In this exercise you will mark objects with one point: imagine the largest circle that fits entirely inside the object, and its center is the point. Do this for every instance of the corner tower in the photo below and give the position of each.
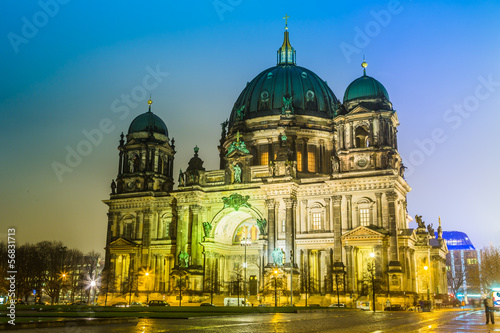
(147, 158)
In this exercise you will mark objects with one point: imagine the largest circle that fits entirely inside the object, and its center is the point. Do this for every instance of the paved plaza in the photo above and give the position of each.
(328, 321)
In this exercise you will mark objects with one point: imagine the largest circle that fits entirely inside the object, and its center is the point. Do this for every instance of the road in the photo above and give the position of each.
(331, 321)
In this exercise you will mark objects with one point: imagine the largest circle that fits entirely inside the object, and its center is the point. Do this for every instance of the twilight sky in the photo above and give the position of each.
(75, 74)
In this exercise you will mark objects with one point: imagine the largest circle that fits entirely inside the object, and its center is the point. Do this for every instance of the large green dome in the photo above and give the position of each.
(265, 94)
(148, 122)
(285, 89)
(365, 87)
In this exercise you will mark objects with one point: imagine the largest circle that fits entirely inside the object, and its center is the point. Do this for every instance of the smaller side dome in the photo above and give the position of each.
(367, 91)
(365, 87)
(148, 122)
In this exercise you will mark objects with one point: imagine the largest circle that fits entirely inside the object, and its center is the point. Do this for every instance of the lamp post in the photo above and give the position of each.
(427, 281)
(62, 250)
(372, 255)
(63, 280)
(92, 289)
(291, 277)
(245, 242)
(275, 288)
(147, 287)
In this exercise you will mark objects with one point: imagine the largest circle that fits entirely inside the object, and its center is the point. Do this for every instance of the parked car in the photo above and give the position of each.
(79, 303)
(394, 307)
(158, 303)
(137, 304)
(121, 305)
(264, 305)
(337, 305)
(314, 305)
(206, 304)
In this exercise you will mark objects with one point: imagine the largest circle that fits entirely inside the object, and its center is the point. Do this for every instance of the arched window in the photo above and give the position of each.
(362, 137)
(317, 217)
(128, 226)
(364, 209)
(166, 226)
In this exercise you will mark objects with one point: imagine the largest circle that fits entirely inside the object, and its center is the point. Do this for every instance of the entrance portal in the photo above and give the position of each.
(253, 285)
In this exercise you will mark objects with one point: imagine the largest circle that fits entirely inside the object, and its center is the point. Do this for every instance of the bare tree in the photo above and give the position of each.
(490, 267)
(211, 284)
(455, 281)
(4, 284)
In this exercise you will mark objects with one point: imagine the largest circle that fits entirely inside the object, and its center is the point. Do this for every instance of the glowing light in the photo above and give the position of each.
(426, 268)
(92, 283)
(372, 255)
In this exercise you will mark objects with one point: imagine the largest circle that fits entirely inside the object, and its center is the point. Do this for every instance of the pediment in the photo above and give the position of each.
(360, 109)
(122, 242)
(362, 233)
(237, 153)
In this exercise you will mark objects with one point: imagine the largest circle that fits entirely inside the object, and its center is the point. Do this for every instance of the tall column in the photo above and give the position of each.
(182, 231)
(337, 227)
(305, 155)
(146, 227)
(303, 216)
(195, 237)
(162, 272)
(349, 211)
(270, 150)
(120, 163)
(376, 129)
(393, 241)
(378, 202)
(328, 220)
(349, 268)
(308, 270)
(318, 270)
(290, 232)
(271, 215)
(341, 143)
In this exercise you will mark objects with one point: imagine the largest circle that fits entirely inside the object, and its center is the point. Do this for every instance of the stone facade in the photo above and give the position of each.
(327, 189)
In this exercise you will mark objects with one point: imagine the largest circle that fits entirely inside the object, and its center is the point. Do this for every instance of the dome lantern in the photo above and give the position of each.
(286, 53)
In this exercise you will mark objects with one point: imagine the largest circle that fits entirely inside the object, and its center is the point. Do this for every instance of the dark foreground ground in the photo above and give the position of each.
(310, 320)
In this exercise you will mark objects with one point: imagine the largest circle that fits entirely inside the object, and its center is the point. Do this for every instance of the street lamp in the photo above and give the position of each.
(245, 242)
(63, 280)
(372, 255)
(92, 288)
(427, 281)
(147, 285)
(275, 288)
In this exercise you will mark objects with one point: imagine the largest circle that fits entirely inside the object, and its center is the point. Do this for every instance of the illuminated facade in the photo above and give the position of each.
(300, 171)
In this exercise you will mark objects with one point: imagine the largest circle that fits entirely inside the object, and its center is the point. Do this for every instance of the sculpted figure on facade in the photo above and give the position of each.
(181, 178)
(113, 187)
(262, 224)
(277, 257)
(183, 259)
(335, 164)
(237, 173)
(420, 223)
(272, 168)
(430, 229)
(207, 227)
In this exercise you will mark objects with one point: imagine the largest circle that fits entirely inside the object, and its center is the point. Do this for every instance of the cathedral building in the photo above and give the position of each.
(309, 186)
